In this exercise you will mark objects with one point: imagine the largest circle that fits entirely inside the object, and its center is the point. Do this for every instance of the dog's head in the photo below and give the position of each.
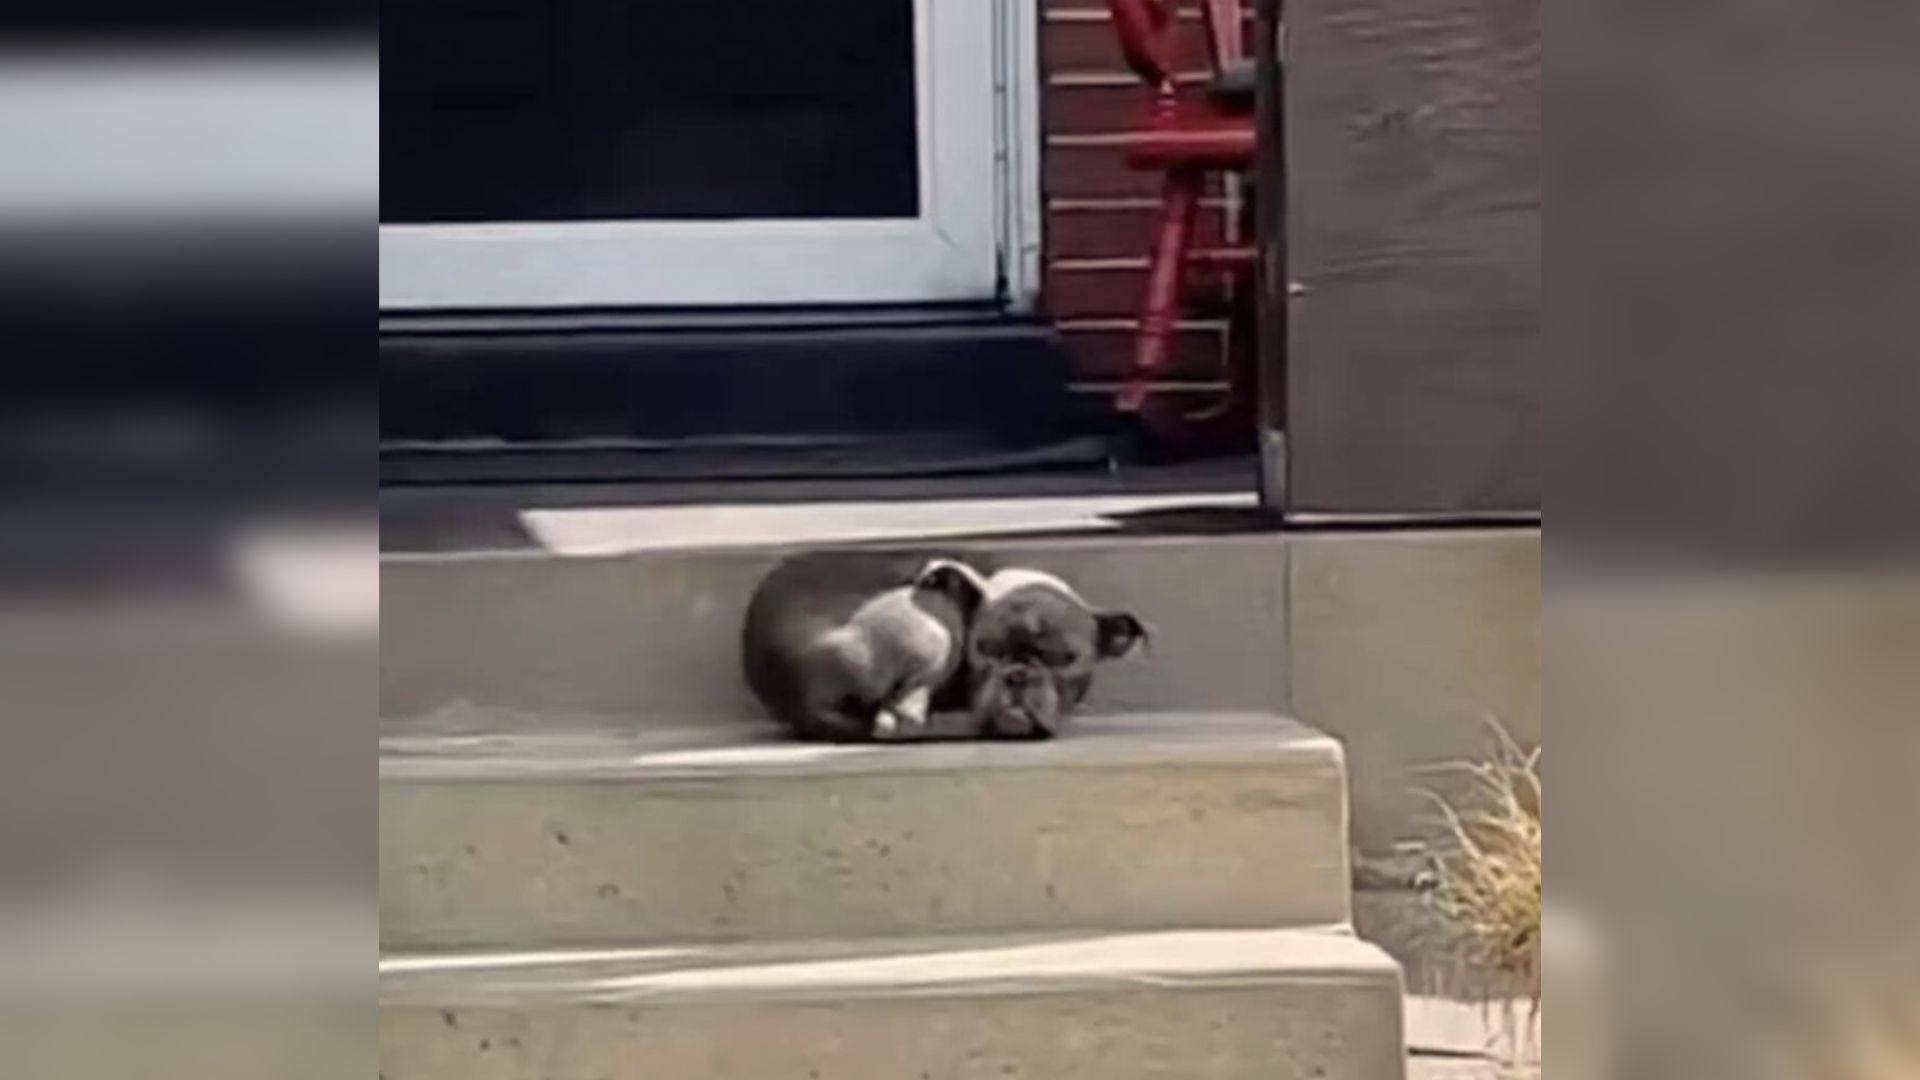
(1031, 649)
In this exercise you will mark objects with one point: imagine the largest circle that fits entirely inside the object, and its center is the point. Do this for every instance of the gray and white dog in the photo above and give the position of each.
(850, 646)
(1031, 651)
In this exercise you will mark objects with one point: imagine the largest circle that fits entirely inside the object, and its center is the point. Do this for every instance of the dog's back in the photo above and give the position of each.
(829, 634)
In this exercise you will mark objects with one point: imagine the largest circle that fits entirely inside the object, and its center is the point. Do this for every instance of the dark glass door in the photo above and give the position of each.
(559, 152)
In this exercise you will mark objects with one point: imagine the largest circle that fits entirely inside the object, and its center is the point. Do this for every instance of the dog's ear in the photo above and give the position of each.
(1120, 634)
(955, 580)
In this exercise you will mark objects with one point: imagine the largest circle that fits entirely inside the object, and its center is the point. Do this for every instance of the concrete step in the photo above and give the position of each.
(716, 834)
(1184, 1005)
(615, 640)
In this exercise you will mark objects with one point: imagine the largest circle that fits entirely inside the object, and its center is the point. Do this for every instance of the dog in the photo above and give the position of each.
(853, 646)
(1032, 646)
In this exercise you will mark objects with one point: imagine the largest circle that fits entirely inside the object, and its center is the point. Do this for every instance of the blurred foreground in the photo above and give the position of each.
(188, 587)
(189, 593)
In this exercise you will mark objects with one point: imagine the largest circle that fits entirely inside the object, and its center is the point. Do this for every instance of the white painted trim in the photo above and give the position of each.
(1130, 325)
(1077, 15)
(1022, 213)
(948, 253)
(1097, 204)
(1085, 80)
(1102, 15)
(1101, 263)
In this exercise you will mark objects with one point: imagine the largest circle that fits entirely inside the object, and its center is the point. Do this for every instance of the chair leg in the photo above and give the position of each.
(1225, 426)
(1179, 202)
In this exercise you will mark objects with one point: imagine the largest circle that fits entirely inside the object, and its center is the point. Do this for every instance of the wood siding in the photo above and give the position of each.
(1414, 151)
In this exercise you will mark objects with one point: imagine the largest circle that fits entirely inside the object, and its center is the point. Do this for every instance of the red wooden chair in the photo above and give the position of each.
(1189, 133)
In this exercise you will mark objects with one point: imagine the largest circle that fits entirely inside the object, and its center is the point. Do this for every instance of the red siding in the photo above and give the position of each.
(1099, 213)
(1113, 229)
(1103, 355)
(1079, 37)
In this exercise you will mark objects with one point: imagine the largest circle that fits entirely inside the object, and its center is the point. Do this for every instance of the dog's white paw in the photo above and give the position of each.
(913, 707)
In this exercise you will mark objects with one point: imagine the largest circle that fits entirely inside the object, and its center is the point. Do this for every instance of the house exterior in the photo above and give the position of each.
(665, 171)
(625, 240)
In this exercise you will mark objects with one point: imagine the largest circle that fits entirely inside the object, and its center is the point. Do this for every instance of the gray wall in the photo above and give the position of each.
(1402, 645)
(1413, 175)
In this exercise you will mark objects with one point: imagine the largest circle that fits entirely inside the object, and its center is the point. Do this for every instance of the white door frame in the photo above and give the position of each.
(973, 60)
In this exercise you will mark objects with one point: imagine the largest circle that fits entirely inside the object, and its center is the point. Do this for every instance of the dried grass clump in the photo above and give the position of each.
(1488, 888)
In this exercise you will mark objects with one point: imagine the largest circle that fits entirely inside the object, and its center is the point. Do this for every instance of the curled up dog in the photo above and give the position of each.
(851, 646)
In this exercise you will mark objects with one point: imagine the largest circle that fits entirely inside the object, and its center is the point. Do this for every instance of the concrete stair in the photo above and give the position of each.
(594, 869)
(653, 639)
(1220, 1005)
(1135, 822)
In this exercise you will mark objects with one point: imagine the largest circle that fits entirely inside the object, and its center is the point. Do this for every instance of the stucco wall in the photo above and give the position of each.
(1403, 644)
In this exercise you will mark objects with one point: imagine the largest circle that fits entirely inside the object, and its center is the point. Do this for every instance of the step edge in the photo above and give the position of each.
(911, 967)
(431, 758)
(1103, 536)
